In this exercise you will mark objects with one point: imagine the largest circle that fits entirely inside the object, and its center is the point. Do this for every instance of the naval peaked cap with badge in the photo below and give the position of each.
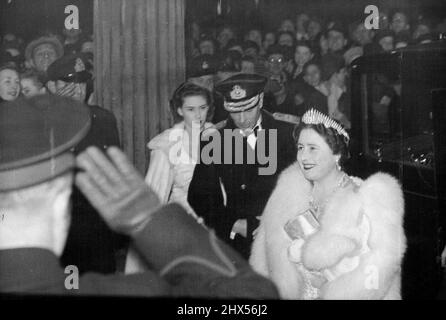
(242, 92)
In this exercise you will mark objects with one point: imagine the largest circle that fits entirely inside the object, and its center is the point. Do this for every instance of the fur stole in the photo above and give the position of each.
(378, 203)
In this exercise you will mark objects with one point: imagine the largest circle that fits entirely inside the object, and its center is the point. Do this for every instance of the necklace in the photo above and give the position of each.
(318, 207)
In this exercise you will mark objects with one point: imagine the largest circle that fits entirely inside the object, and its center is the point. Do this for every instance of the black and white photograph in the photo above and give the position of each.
(222, 158)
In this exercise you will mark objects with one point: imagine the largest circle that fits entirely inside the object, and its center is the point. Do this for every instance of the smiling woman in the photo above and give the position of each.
(9, 83)
(325, 235)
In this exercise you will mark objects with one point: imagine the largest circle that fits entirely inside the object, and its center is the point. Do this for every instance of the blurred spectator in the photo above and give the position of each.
(400, 23)
(338, 100)
(384, 41)
(254, 35)
(9, 83)
(315, 94)
(32, 83)
(202, 71)
(351, 54)
(68, 77)
(321, 44)
(360, 35)
(302, 20)
(248, 65)
(224, 35)
(252, 50)
(314, 28)
(42, 52)
(72, 42)
(287, 25)
(230, 64)
(11, 50)
(402, 40)
(425, 38)
(421, 28)
(87, 48)
(91, 245)
(285, 38)
(336, 37)
(384, 21)
(336, 43)
(277, 85)
(234, 45)
(269, 40)
(207, 45)
(302, 55)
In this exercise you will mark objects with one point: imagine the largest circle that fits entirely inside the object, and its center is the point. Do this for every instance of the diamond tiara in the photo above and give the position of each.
(314, 116)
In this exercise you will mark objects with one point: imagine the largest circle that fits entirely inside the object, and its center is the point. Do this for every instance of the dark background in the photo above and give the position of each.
(27, 18)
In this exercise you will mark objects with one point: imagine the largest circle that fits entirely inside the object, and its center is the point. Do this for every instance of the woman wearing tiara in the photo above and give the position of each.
(324, 234)
(174, 152)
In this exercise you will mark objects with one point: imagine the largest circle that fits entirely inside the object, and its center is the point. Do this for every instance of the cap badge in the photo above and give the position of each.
(205, 65)
(79, 66)
(238, 93)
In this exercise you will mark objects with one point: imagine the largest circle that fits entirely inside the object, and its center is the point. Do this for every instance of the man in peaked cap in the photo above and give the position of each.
(36, 175)
(230, 196)
(91, 245)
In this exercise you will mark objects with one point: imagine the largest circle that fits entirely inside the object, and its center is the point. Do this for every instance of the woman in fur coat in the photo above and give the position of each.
(325, 235)
(174, 151)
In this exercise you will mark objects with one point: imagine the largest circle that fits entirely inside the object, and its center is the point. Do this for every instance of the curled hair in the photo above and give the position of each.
(337, 142)
(188, 89)
(37, 77)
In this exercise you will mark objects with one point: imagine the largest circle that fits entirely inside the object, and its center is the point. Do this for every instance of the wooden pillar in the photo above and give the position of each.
(139, 61)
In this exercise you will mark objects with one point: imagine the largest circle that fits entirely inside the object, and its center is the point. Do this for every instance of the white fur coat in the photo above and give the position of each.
(377, 275)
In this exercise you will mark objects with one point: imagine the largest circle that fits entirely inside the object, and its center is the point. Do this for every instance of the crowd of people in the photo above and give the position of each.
(308, 227)
(305, 58)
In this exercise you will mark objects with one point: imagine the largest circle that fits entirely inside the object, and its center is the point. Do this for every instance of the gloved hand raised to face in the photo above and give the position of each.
(116, 189)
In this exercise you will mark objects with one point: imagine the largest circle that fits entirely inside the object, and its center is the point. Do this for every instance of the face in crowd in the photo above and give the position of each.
(255, 36)
(194, 111)
(336, 40)
(302, 21)
(285, 39)
(207, 47)
(43, 56)
(362, 35)
(9, 84)
(312, 75)
(420, 30)
(77, 91)
(287, 25)
(270, 39)
(31, 88)
(313, 29)
(276, 63)
(248, 66)
(224, 36)
(315, 156)
(302, 55)
(399, 22)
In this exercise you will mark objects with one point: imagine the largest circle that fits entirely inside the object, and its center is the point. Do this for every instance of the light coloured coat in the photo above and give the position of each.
(378, 201)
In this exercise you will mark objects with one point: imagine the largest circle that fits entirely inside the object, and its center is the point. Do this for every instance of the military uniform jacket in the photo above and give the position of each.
(91, 245)
(185, 259)
(223, 193)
